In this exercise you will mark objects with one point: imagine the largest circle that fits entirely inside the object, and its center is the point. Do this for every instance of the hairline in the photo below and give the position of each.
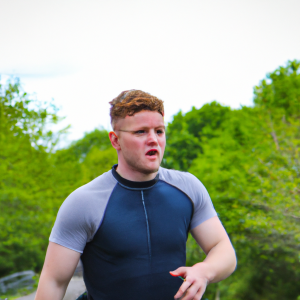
(116, 119)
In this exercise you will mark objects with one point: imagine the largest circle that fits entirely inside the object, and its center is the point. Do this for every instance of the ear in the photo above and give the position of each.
(114, 139)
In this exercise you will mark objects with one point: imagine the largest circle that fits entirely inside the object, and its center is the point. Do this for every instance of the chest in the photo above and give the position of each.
(145, 222)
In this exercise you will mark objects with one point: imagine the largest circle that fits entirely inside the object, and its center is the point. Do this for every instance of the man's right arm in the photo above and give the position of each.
(60, 264)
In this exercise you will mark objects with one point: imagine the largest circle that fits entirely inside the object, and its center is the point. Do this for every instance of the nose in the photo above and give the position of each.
(152, 137)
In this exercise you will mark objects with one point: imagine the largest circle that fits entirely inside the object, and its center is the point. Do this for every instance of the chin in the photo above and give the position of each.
(147, 170)
(150, 170)
(154, 167)
(144, 168)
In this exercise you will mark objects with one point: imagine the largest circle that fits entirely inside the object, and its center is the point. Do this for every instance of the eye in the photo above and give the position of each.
(160, 131)
(140, 132)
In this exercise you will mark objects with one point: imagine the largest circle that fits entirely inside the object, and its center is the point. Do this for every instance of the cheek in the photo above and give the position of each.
(162, 144)
(134, 146)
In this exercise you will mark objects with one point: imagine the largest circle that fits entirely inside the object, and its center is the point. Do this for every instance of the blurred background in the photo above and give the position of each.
(229, 75)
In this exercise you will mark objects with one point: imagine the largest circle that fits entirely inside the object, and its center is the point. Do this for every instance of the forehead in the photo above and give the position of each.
(144, 118)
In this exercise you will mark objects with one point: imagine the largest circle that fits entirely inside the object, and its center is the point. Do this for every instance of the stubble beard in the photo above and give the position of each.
(139, 168)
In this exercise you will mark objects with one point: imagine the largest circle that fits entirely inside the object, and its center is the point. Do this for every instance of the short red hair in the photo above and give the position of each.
(131, 102)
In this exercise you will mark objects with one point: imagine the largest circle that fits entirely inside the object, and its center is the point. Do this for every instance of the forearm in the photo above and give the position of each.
(50, 289)
(219, 263)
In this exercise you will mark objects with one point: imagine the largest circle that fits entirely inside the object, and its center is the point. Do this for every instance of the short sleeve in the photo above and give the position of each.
(203, 206)
(72, 228)
(81, 214)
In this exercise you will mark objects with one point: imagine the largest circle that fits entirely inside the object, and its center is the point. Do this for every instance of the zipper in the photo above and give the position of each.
(147, 222)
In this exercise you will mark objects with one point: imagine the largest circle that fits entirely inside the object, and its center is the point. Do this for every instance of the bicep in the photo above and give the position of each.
(60, 263)
(209, 233)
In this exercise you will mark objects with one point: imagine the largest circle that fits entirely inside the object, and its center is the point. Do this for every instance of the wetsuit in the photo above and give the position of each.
(131, 234)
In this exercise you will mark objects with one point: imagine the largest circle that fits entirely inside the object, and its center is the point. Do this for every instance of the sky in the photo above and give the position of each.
(83, 53)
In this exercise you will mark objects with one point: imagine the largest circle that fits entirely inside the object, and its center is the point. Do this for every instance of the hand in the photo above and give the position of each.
(195, 282)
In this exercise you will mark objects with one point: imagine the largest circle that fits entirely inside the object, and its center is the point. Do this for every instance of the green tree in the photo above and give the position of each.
(97, 138)
(25, 184)
(97, 162)
(34, 178)
(186, 133)
(281, 90)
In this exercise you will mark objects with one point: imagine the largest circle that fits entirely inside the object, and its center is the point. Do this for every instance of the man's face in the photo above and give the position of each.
(142, 141)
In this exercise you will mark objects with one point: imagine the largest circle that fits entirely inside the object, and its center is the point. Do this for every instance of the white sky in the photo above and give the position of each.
(83, 53)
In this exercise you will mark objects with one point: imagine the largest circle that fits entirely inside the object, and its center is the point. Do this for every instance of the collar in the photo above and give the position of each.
(133, 184)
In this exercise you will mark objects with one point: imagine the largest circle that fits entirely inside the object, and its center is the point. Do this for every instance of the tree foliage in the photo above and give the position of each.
(35, 179)
(26, 175)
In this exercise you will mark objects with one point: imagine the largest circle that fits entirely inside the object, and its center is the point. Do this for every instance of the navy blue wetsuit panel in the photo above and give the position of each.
(142, 237)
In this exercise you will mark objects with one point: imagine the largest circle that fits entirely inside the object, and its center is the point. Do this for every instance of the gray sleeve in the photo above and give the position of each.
(72, 228)
(81, 214)
(192, 187)
(203, 207)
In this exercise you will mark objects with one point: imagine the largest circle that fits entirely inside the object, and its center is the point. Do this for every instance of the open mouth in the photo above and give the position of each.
(152, 152)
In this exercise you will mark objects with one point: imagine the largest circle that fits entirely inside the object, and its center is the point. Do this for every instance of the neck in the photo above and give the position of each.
(134, 175)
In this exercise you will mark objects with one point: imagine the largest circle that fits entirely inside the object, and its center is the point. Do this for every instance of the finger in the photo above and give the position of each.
(180, 271)
(200, 293)
(186, 284)
(191, 292)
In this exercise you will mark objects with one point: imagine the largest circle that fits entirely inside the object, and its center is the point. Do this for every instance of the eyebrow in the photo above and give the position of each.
(143, 128)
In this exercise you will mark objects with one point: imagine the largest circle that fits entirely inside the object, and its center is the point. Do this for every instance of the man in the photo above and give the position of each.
(129, 226)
